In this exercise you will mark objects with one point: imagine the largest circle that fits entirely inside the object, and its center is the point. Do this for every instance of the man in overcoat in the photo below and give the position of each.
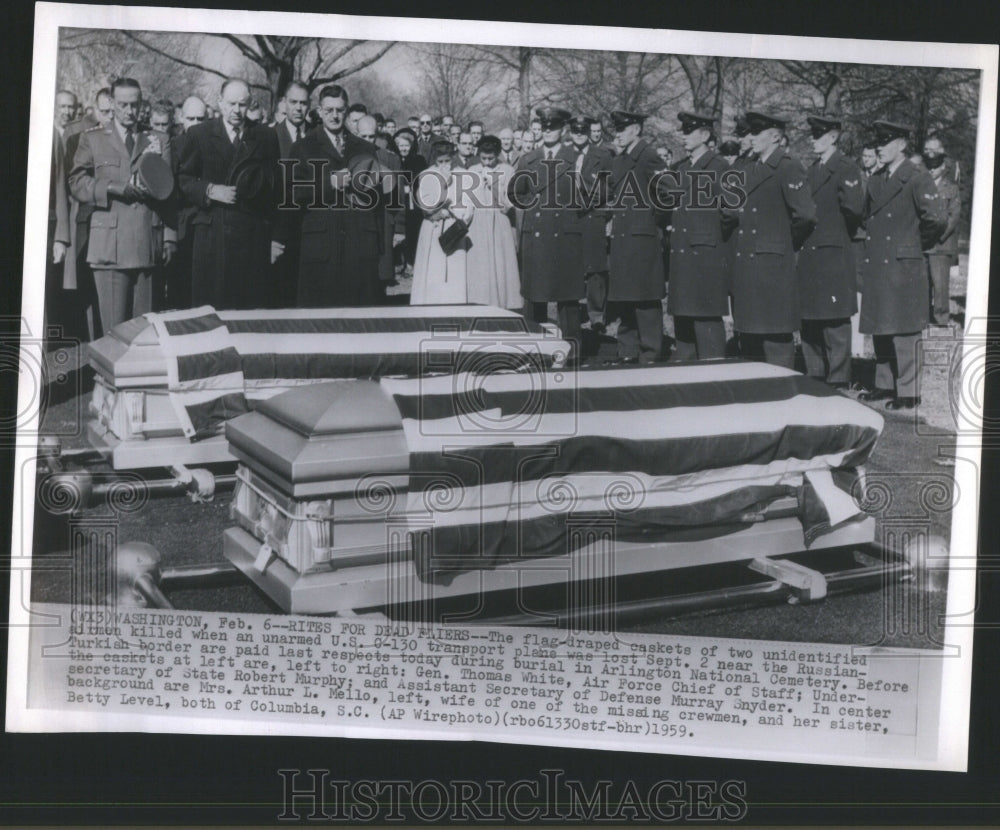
(228, 169)
(592, 169)
(551, 259)
(333, 206)
(827, 268)
(699, 285)
(636, 282)
(941, 257)
(127, 240)
(778, 214)
(905, 215)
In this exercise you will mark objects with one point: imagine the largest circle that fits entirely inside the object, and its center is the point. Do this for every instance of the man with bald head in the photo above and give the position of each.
(227, 173)
(193, 111)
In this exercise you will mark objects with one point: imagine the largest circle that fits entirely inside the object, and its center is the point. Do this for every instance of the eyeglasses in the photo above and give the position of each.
(426, 122)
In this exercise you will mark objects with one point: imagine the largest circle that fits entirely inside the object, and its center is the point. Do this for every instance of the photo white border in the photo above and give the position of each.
(49, 17)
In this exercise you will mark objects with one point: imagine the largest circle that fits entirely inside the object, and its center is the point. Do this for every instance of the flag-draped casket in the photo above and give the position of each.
(485, 470)
(167, 381)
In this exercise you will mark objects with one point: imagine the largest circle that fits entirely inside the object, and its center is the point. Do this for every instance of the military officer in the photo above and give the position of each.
(592, 168)
(777, 216)
(699, 285)
(826, 267)
(905, 215)
(636, 282)
(127, 239)
(941, 257)
(551, 264)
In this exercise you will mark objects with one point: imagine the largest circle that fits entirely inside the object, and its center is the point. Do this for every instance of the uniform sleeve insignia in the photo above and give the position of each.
(795, 185)
(851, 182)
(930, 195)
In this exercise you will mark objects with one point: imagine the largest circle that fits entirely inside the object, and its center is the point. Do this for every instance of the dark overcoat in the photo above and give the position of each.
(340, 236)
(592, 186)
(778, 215)
(699, 283)
(905, 214)
(827, 269)
(551, 256)
(231, 245)
(636, 261)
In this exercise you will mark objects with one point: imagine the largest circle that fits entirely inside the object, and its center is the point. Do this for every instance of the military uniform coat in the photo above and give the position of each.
(951, 201)
(699, 283)
(827, 270)
(905, 215)
(231, 246)
(778, 215)
(122, 236)
(636, 262)
(551, 262)
(339, 245)
(594, 170)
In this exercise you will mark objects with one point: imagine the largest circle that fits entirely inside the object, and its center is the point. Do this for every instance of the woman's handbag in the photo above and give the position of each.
(454, 237)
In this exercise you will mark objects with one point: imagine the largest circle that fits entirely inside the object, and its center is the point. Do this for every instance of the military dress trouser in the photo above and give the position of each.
(939, 275)
(640, 335)
(826, 347)
(597, 296)
(122, 295)
(896, 363)
(699, 338)
(778, 348)
(568, 320)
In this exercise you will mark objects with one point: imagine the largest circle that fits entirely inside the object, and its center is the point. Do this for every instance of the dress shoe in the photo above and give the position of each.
(898, 403)
(858, 386)
(876, 395)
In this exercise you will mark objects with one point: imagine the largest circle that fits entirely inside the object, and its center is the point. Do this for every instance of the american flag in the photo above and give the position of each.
(218, 362)
(500, 463)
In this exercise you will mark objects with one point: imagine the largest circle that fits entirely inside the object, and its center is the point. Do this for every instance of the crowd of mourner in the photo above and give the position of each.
(327, 203)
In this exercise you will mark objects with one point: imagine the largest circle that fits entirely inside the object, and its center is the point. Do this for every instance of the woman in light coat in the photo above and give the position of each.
(439, 279)
(493, 276)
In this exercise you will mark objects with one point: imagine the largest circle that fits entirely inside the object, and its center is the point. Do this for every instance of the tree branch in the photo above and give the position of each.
(174, 58)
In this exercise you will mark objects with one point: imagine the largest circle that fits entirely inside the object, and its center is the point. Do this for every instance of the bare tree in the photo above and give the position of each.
(598, 82)
(275, 60)
(454, 81)
(91, 59)
(520, 63)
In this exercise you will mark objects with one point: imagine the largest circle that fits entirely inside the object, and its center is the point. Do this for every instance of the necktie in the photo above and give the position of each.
(236, 138)
(338, 143)
(300, 131)
(129, 141)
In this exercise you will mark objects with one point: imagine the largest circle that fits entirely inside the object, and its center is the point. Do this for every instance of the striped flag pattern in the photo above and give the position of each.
(499, 463)
(219, 362)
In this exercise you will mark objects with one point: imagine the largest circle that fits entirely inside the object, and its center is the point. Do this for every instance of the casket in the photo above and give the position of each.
(361, 495)
(165, 383)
